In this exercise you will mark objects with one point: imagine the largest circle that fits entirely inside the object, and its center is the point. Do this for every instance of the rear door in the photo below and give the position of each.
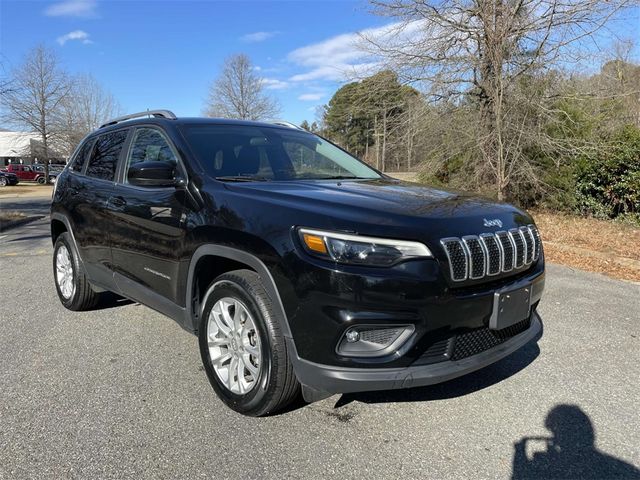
(148, 232)
(92, 192)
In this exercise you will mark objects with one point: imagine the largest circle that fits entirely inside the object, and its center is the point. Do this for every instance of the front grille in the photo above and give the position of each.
(474, 257)
(482, 339)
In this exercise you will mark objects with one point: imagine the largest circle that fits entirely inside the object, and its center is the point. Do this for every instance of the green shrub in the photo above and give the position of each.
(608, 185)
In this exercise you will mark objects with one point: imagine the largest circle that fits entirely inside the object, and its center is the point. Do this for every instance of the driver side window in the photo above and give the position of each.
(149, 145)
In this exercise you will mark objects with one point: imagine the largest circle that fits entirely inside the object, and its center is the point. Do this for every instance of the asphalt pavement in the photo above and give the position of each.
(119, 392)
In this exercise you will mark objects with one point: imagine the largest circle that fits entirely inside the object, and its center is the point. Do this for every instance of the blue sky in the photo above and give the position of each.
(164, 54)
(153, 54)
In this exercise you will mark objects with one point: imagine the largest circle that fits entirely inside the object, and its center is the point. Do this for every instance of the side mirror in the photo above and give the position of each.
(153, 174)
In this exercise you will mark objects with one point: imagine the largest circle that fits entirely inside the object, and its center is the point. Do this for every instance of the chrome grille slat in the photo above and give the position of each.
(507, 247)
(494, 255)
(537, 241)
(528, 242)
(456, 254)
(477, 256)
(519, 247)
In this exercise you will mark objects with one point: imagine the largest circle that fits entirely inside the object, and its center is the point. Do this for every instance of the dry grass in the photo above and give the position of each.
(25, 189)
(589, 244)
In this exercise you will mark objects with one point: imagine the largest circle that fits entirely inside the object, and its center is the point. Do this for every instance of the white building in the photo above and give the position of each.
(22, 147)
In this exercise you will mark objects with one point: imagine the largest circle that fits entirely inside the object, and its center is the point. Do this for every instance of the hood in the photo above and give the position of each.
(384, 195)
(384, 204)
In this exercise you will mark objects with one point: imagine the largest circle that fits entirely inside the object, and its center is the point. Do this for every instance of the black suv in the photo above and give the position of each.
(296, 264)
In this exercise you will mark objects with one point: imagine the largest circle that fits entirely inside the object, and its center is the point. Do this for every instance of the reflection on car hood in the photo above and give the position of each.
(384, 196)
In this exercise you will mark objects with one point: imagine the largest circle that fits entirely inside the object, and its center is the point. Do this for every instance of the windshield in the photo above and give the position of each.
(262, 153)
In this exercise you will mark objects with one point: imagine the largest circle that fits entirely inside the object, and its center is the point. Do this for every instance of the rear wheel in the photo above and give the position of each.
(3, 182)
(242, 347)
(72, 285)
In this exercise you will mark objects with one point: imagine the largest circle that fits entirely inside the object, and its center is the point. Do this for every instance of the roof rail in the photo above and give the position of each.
(284, 123)
(149, 113)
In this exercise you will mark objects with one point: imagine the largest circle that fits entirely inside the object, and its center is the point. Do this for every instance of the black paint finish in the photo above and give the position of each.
(140, 242)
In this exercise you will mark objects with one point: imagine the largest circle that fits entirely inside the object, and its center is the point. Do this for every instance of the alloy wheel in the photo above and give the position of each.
(234, 345)
(64, 272)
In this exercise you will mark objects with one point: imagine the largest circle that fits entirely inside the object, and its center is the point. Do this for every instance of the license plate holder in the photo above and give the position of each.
(510, 307)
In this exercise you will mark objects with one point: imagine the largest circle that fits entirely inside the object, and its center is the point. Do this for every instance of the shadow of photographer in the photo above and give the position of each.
(570, 451)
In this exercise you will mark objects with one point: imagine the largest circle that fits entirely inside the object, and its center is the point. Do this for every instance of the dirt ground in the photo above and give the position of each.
(588, 244)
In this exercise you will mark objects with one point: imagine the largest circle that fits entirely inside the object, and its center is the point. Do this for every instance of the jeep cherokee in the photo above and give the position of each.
(298, 266)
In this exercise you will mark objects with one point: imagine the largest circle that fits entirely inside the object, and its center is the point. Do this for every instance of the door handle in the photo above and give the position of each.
(117, 201)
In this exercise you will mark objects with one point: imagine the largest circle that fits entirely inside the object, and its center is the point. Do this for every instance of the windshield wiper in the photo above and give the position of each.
(242, 178)
(338, 177)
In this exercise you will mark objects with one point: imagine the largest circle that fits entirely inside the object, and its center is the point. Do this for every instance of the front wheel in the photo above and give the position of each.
(3, 182)
(242, 347)
(41, 180)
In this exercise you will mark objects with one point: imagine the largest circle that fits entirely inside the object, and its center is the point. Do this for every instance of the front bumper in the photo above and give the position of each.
(331, 379)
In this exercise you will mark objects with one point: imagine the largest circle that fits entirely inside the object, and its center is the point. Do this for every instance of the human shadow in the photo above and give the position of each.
(570, 451)
(458, 387)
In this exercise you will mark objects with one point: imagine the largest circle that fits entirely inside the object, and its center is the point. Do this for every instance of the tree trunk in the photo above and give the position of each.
(384, 138)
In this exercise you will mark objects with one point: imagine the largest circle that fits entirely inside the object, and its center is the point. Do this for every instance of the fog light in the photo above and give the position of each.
(352, 336)
(373, 341)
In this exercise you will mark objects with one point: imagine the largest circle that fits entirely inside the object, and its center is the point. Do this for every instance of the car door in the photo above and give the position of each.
(92, 224)
(148, 233)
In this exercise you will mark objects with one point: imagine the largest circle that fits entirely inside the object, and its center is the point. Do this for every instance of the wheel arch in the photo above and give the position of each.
(59, 224)
(227, 259)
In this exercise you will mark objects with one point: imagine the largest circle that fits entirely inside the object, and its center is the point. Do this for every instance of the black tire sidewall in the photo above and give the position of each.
(253, 400)
(3, 182)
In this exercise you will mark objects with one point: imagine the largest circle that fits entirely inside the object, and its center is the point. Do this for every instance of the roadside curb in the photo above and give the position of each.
(17, 223)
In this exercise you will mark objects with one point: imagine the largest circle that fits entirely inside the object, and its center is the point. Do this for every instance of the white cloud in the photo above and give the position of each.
(345, 56)
(310, 97)
(72, 8)
(274, 84)
(258, 36)
(79, 35)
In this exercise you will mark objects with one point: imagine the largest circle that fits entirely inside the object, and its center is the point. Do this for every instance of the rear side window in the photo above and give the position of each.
(104, 158)
(81, 157)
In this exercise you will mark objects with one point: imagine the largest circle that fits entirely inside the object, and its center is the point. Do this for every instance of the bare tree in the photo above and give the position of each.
(239, 93)
(39, 86)
(87, 106)
(480, 51)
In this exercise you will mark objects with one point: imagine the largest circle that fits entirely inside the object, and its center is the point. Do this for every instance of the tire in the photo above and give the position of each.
(275, 385)
(40, 180)
(78, 294)
(3, 182)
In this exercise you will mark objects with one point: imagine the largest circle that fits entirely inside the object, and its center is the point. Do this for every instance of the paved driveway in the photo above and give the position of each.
(119, 392)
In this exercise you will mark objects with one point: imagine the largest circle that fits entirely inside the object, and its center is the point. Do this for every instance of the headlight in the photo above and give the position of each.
(360, 250)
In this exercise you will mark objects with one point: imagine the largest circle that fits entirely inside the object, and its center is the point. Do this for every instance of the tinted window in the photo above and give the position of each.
(149, 145)
(271, 153)
(82, 156)
(105, 155)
